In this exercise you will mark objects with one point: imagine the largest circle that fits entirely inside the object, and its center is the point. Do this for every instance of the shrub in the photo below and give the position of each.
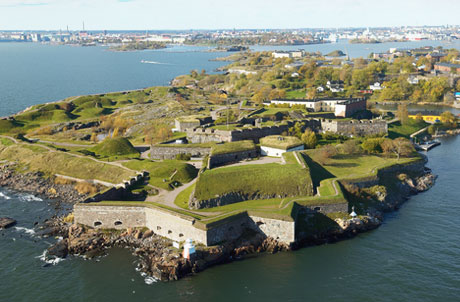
(351, 147)
(62, 181)
(45, 130)
(309, 139)
(85, 188)
(69, 218)
(372, 145)
(183, 156)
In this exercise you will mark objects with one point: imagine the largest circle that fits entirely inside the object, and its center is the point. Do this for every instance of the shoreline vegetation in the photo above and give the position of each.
(136, 46)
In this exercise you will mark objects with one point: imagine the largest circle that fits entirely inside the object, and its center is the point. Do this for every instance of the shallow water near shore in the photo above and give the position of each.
(413, 256)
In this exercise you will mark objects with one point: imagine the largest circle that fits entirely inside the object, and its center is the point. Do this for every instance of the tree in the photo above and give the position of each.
(309, 139)
(448, 119)
(115, 133)
(372, 145)
(325, 154)
(403, 114)
(194, 73)
(93, 137)
(400, 147)
(351, 147)
(311, 93)
(297, 129)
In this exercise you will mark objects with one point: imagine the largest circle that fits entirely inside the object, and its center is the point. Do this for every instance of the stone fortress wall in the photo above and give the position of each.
(206, 135)
(216, 160)
(179, 227)
(355, 127)
(170, 152)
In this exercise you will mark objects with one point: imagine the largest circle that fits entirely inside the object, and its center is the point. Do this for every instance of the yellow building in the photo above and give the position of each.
(427, 117)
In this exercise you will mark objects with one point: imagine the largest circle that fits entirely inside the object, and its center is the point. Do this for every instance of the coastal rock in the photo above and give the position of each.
(6, 222)
(59, 249)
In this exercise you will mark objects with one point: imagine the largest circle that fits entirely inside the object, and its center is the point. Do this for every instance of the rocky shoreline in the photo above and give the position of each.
(157, 256)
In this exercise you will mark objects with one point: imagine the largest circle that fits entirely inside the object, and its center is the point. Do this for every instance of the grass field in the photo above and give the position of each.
(256, 180)
(296, 94)
(231, 147)
(36, 158)
(352, 166)
(115, 147)
(163, 173)
(396, 130)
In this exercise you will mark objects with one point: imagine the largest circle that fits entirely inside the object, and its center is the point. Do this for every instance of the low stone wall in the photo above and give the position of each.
(283, 231)
(222, 159)
(110, 217)
(228, 230)
(171, 152)
(326, 208)
(173, 226)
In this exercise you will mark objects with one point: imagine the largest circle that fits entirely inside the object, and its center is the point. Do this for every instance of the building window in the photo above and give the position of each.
(158, 228)
(181, 235)
(118, 222)
(169, 232)
(97, 223)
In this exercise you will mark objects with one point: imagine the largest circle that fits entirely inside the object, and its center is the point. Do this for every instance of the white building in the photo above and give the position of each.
(375, 86)
(276, 145)
(281, 54)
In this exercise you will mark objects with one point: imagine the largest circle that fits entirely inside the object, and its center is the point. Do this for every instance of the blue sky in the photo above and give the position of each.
(212, 14)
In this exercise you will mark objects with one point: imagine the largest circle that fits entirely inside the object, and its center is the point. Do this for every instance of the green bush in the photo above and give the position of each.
(183, 156)
(114, 147)
(373, 145)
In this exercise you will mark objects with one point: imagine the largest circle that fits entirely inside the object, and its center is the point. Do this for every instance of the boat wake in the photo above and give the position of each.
(154, 62)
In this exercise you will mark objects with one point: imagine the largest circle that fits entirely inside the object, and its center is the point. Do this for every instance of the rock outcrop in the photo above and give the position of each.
(6, 222)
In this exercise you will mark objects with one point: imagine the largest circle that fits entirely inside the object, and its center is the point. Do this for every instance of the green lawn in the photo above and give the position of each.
(161, 172)
(36, 158)
(396, 130)
(115, 147)
(231, 147)
(296, 94)
(256, 180)
(354, 166)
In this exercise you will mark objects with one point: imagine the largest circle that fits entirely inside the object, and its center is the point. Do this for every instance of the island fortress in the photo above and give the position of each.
(180, 225)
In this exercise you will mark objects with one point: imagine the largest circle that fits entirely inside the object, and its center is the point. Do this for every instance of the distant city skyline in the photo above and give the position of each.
(208, 14)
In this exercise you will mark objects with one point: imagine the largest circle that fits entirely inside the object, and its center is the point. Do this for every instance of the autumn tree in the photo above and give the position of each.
(448, 119)
(400, 147)
(325, 154)
(93, 137)
(115, 133)
(351, 147)
(309, 139)
(402, 114)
